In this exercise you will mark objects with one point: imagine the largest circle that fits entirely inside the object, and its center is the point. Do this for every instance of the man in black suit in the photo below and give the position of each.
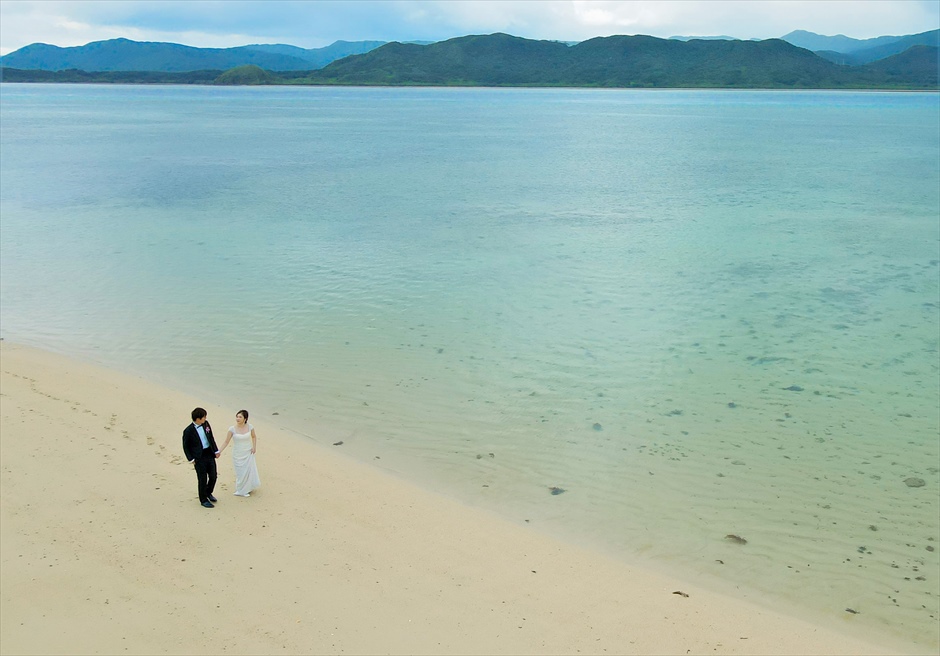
(200, 449)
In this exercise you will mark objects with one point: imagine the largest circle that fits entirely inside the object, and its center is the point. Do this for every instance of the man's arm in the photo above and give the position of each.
(189, 457)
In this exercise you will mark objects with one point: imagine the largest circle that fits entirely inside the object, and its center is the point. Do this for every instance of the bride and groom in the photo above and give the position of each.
(201, 450)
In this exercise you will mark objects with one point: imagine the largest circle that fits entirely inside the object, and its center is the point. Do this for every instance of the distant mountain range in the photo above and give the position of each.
(127, 55)
(505, 60)
(854, 52)
(845, 44)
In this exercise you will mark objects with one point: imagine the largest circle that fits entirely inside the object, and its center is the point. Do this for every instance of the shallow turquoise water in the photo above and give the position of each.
(700, 313)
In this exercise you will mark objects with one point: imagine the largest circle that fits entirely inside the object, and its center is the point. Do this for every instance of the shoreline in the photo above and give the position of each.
(102, 531)
(933, 90)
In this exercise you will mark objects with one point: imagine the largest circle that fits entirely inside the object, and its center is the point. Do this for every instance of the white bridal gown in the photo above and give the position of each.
(246, 470)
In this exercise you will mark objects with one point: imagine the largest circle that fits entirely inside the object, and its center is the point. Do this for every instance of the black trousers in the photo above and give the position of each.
(205, 473)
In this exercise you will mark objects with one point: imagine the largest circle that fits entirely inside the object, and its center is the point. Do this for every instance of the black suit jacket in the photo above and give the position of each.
(192, 445)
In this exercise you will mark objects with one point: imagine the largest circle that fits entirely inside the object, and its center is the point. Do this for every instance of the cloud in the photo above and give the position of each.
(214, 23)
(77, 23)
(582, 19)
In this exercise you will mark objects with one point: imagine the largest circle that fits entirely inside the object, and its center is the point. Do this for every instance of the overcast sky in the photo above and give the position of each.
(311, 24)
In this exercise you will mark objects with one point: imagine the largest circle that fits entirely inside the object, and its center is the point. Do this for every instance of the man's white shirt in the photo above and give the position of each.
(202, 435)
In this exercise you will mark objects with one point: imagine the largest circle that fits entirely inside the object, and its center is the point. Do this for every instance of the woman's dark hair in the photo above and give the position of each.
(243, 413)
(199, 413)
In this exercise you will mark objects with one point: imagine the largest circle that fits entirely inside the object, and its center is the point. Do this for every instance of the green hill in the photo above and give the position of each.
(916, 67)
(651, 62)
(618, 61)
(497, 59)
(246, 75)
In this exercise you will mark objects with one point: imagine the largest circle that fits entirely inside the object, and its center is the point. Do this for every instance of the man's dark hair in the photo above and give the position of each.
(199, 413)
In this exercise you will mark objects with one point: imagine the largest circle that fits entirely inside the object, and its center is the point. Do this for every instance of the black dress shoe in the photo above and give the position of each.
(212, 499)
(206, 504)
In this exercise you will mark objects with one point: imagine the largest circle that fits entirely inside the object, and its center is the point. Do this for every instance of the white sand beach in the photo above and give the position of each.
(104, 549)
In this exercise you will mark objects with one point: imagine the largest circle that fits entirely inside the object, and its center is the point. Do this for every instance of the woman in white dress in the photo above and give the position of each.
(243, 454)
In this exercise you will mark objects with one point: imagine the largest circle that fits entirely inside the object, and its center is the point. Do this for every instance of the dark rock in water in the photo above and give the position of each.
(557, 490)
(598, 427)
(930, 548)
(793, 388)
(737, 539)
(732, 404)
(275, 413)
(338, 443)
(872, 527)
(674, 413)
(914, 482)
(851, 610)
(767, 360)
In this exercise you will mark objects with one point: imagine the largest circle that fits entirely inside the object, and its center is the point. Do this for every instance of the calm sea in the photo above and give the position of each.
(693, 314)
